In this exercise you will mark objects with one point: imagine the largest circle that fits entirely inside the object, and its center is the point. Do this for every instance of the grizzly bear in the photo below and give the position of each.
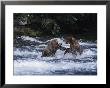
(74, 45)
(51, 48)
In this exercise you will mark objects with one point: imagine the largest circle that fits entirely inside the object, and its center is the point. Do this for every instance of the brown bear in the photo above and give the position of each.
(51, 48)
(74, 45)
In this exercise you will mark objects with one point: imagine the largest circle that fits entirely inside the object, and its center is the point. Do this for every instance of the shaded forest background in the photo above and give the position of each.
(56, 24)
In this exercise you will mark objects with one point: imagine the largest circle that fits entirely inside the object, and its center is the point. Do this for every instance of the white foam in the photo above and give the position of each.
(24, 53)
(47, 65)
(31, 39)
(87, 44)
(40, 67)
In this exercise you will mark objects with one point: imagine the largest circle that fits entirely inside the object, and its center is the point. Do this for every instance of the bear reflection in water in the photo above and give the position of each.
(53, 46)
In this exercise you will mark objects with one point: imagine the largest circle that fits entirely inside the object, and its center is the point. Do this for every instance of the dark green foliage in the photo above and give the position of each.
(55, 24)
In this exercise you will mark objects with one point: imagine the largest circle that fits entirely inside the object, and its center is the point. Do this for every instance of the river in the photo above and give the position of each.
(28, 60)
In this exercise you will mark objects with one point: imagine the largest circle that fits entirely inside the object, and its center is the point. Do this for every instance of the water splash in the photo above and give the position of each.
(28, 60)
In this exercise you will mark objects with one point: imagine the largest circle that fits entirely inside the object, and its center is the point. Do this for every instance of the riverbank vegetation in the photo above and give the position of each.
(81, 25)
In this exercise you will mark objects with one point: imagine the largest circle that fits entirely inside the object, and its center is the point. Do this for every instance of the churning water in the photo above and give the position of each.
(28, 60)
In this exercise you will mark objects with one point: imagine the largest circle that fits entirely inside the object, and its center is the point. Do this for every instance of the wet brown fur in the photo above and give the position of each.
(74, 45)
(51, 48)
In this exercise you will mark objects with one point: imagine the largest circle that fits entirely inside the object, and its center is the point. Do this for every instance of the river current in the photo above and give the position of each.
(28, 60)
